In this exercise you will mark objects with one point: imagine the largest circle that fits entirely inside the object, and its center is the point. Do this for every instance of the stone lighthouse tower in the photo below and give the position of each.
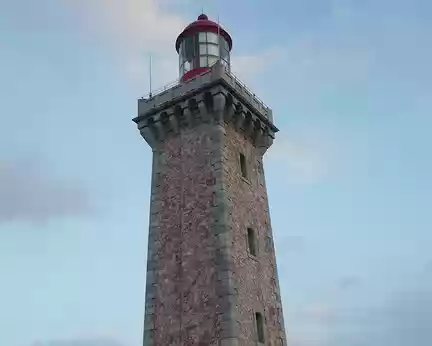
(211, 268)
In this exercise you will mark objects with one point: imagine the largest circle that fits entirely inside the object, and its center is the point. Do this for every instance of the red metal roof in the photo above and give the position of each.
(203, 24)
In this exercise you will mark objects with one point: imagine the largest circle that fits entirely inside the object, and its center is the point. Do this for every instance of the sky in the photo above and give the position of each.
(348, 176)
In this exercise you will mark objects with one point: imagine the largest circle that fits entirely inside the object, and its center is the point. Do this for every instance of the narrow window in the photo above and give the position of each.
(251, 241)
(243, 166)
(260, 327)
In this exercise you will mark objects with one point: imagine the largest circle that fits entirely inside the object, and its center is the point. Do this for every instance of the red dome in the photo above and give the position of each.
(203, 24)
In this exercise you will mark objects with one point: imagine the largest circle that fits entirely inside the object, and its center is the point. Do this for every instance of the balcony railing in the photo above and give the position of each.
(236, 80)
(243, 85)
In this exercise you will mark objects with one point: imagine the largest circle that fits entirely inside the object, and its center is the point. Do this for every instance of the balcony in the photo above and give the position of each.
(218, 72)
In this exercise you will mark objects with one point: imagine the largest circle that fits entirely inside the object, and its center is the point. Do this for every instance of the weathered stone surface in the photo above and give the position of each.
(203, 287)
(248, 207)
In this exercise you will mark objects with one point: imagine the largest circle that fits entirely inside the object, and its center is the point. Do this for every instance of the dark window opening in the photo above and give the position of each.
(259, 326)
(243, 166)
(251, 242)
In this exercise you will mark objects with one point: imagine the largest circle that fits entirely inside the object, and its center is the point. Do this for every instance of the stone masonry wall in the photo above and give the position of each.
(203, 288)
(256, 277)
(186, 284)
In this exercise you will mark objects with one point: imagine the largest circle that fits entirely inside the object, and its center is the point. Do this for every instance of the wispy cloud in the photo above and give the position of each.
(252, 64)
(304, 159)
(403, 319)
(348, 282)
(137, 28)
(31, 193)
(135, 25)
(134, 29)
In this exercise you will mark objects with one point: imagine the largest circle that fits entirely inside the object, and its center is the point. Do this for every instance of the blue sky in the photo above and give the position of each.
(350, 84)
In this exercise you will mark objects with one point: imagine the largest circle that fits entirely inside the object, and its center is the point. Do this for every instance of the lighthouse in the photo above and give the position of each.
(211, 268)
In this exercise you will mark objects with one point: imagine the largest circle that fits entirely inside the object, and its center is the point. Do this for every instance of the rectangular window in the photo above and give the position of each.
(213, 49)
(224, 54)
(212, 38)
(259, 327)
(243, 166)
(252, 244)
(212, 60)
(203, 49)
(223, 43)
(203, 61)
(202, 37)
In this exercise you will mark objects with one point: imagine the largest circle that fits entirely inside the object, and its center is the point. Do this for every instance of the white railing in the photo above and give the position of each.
(243, 85)
(161, 90)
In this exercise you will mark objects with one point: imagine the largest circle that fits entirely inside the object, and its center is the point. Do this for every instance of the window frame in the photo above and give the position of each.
(252, 243)
(243, 166)
(259, 325)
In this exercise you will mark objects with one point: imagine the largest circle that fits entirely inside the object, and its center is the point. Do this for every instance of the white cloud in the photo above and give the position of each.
(135, 25)
(134, 29)
(30, 193)
(247, 65)
(304, 159)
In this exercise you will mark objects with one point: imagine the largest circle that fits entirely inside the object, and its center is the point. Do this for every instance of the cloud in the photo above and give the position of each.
(319, 312)
(248, 65)
(135, 25)
(348, 282)
(304, 159)
(410, 318)
(402, 319)
(135, 28)
(132, 30)
(30, 193)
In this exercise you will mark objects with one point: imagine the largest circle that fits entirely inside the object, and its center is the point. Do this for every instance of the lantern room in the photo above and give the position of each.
(200, 45)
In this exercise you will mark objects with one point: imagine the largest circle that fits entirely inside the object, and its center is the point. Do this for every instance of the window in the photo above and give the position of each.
(202, 37)
(213, 49)
(212, 60)
(203, 61)
(189, 48)
(203, 49)
(243, 166)
(259, 327)
(251, 240)
(223, 43)
(212, 37)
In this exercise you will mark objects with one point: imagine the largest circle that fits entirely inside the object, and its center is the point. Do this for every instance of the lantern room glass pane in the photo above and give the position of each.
(203, 49)
(212, 37)
(202, 37)
(223, 43)
(203, 61)
(212, 60)
(213, 49)
(225, 54)
(189, 48)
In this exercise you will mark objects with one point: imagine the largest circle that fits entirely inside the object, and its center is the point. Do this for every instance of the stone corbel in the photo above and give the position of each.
(249, 124)
(219, 104)
(239, 117)
(229, 109)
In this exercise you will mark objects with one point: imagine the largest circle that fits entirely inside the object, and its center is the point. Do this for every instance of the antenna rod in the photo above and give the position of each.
(219, 41)
(150, 76)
